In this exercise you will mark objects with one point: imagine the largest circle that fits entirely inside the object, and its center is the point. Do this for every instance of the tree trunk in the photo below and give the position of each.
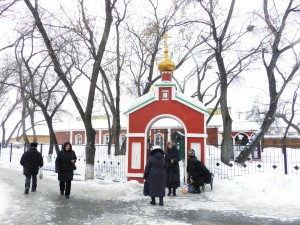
(90, 150)
(25, 138)
(227, 143)
(268, 120)
(117, 130)
(3, 137)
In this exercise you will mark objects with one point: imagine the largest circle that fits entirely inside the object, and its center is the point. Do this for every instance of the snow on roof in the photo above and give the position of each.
(166, 122)
(243, 125)
(40, 130)
(216, 121)
(72, 124)
(192, 103)
(237, 125)
(182, 98)
(140, 102)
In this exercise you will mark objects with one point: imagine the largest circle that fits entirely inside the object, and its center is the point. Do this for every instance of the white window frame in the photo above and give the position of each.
(165, 95)
(78, 139)
(122, 138)
(159, 135)
(106, 138)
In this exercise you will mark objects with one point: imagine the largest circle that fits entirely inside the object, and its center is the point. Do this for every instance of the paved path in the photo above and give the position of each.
(85, 207)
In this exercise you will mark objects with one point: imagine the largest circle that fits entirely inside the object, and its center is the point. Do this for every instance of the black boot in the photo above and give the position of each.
(26, 189)
(33, 188)
(174, 191)
(169, 193)
(153, 201)
(161, 201)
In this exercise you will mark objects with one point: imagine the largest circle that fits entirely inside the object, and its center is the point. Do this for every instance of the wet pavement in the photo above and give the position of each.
(47, 206)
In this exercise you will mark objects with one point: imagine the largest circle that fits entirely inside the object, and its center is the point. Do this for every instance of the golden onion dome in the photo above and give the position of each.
(167, 64)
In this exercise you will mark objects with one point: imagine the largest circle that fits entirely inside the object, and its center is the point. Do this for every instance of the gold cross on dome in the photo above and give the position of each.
(165, 37)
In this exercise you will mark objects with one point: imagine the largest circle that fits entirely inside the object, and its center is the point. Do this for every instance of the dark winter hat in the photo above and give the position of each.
(156, 148)
(33, 144)
(191, 152)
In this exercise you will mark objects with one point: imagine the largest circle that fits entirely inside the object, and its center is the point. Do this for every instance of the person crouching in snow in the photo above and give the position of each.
(154, 175)
(31, 160)
(191, 162)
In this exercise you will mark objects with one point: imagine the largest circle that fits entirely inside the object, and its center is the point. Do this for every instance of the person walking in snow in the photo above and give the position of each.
(154, 175)
(31, 161)
(172, 172)
(65, 166)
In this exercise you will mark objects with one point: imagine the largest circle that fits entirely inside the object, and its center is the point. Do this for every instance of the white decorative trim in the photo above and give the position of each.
(134, 174)
(196, 135)
(135, 135)
(136, 153)
(173, 93)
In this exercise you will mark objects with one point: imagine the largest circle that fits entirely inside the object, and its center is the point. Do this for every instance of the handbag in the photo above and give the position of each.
(146, 189)
(74, 166)
(41, 173)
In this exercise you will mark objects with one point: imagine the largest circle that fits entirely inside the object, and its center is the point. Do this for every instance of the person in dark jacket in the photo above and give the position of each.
(31, 161)
(198, 174)
(172, 172)
(192, 159)
(64, 166)
(154, 175)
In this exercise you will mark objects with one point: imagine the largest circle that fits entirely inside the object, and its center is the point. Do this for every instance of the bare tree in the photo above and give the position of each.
(97, 53)
(225, 38)
(278, 46)
(144, 44)
(43, 88)
(12, 108)
(289, 122)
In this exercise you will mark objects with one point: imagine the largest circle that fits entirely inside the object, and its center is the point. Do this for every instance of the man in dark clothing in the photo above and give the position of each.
(31, 161)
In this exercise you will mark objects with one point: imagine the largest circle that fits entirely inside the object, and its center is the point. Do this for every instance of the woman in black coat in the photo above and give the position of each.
(172, 172)
(154, 175)
(64, 166)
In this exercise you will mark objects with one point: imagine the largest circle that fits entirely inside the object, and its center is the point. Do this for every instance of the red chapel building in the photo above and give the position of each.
(163, 102)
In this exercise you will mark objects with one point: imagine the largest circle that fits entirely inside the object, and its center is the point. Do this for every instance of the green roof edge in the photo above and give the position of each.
(161, 84)
(204, 110)
(143, 103)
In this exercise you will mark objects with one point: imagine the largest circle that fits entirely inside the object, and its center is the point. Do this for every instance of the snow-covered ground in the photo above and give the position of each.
(268, 195)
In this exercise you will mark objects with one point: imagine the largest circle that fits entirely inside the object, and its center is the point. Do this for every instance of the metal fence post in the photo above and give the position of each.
(41, 149)
(284, 159)
(10, 156)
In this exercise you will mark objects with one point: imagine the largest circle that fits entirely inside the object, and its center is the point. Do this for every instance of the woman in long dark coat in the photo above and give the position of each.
(64, 166)
(172, 172)
(154, 175)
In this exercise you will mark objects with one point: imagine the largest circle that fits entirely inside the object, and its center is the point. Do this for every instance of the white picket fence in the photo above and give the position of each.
(113, 167)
